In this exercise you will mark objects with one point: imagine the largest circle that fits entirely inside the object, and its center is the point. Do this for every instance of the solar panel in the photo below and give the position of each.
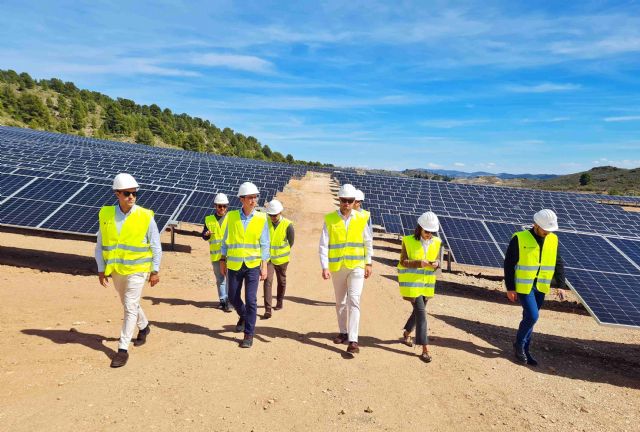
(10, 183)
(610, 298)
(392, 223)
(631, 248)
(25, 212)
(591, 252)
(473, 252)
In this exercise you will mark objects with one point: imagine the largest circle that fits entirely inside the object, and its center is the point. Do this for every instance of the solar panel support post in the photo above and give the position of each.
(172, 226)
(449, 260)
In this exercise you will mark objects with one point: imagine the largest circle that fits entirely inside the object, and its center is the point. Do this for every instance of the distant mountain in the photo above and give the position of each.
(462, 174)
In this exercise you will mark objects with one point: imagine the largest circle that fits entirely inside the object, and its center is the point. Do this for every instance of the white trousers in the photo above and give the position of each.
(348, 284)
(129, 289)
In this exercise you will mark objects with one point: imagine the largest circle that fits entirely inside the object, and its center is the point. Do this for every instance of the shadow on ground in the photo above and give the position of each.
(93, 341)
(589, 360)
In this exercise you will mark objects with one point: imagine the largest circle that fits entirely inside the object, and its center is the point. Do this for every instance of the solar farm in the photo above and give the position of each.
(56, 182)
(599, 243)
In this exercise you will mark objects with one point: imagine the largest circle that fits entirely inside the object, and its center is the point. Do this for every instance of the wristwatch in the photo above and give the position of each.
(154, 272)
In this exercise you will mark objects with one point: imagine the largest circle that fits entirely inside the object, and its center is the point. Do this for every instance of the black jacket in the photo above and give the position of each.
(513, 256)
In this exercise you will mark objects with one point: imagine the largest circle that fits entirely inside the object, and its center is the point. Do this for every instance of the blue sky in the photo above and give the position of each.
(547, 87)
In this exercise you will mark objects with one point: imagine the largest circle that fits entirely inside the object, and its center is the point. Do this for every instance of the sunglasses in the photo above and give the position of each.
(222, 205)
(347, 200)
(127, 193)
(251, 197)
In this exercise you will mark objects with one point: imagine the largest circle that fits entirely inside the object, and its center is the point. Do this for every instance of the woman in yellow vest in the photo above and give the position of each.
(282, 237)
(128, 250)
(213, 231)
(419, 260)
(531, 262)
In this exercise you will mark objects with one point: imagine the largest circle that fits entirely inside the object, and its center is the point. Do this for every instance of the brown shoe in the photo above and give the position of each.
(266, 315)
(341, 338)
(353, 348)
(120, 359)
(278, 305)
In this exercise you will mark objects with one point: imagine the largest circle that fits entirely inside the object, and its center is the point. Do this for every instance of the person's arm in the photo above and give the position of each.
(510, 261)
(153, 237)
(367, 235)
(98, 253)
(265, 243)
(559, 274)
(290, 235)
(206, 234)
(323, 248)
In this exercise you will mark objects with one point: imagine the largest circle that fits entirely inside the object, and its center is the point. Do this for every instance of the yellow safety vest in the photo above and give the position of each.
(416, 282)
(366, 214)
(243, 246)
(128, 252)
(217, 233)
(280, 248)
(531, 266)
(346, 247)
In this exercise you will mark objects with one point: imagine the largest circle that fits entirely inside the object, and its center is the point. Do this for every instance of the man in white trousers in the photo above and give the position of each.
(346, 248)
(128, 250)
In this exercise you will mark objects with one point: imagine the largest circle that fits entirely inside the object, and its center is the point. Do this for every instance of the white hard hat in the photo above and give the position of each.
(347, 191)
(124, 181)
(429, 222)
(359, 195)
(247, 188)
(221, 199)
(274, 207)
(546, 219)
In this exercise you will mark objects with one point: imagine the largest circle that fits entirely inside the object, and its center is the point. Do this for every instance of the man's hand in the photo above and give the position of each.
(223, 268)
(263, 271)
(154, 279)
(207, 233)
(368, 269)
(104, 280)
(512, 296)
(326, 274)
(561, 293)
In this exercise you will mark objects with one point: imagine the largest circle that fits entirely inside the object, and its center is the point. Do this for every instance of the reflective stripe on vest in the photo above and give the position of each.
(416, 282)
(217, 233)
(243, 246)
(128, 252)
(280, 248)
(346, 246)
(533, 268)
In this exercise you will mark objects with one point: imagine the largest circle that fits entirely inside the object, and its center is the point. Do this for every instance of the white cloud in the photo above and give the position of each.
(622, 118)
(620, 163)
(542, 88)
(450, 123)
(434, 165)
(233, 61)
(458, 164)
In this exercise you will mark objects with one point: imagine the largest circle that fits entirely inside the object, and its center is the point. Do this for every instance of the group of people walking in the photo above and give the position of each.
(247, 246)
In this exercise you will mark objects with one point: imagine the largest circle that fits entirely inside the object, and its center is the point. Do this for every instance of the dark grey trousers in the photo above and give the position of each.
(418, 320)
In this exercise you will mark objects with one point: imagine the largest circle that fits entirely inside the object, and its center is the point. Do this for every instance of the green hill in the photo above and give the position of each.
(605, 179)
(57, 106)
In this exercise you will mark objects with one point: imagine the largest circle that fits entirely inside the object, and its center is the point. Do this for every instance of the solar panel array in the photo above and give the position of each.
(59, 182)
(599, 243)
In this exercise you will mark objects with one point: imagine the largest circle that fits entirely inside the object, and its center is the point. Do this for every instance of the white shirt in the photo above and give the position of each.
(324, 241)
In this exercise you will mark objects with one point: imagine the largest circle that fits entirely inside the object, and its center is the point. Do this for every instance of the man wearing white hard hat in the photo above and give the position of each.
(128, 250)
(245, 252)
(213, 231)
(282, 236)
(419, 260)
(346, 248)
(531, 262)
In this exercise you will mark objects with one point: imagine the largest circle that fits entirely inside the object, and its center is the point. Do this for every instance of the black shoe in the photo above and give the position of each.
(222, 304)
(266, 315)
(531, 360)
(278, 305)
(227, 307)
(120, 359)
(247, 342)
(142, 336)
(240, 326)
(519, 353)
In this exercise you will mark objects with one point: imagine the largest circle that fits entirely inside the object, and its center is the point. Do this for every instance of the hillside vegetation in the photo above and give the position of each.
(605, 179)
(57, 106)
